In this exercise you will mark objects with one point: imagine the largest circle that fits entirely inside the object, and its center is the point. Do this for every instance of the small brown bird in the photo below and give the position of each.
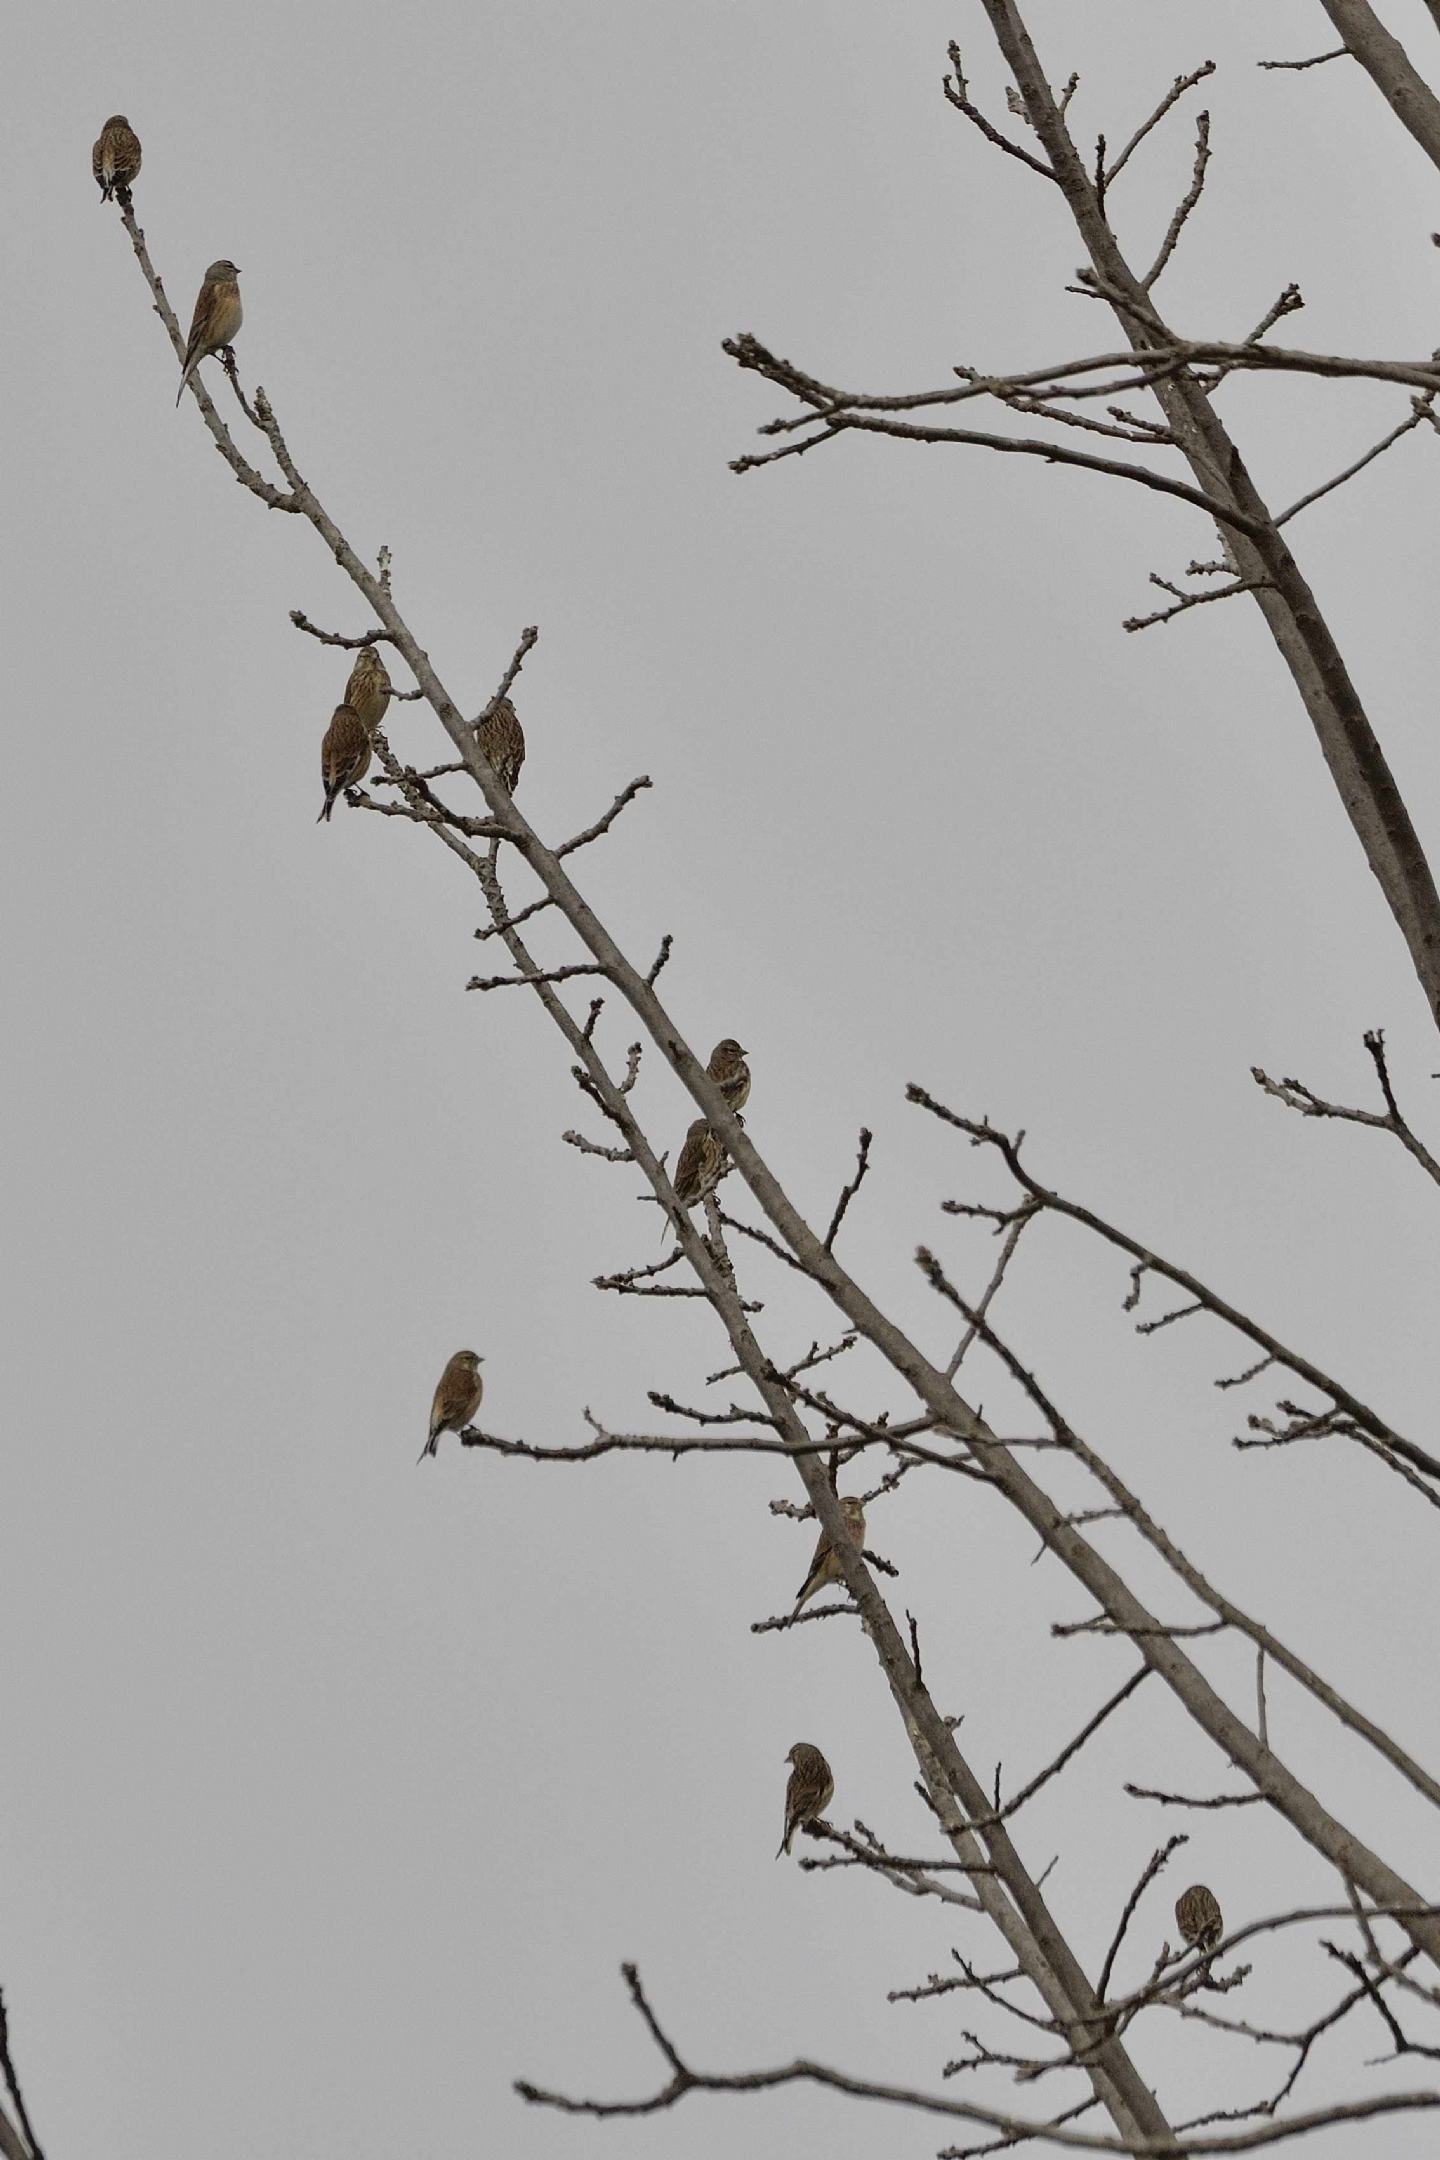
(115, 159)
(457, 1398)
(218, 316)
(368, 691)
(1198, 1917)
(344, 756)
(728, 1069)
(825, 1567)
(502, 741)
(697, 1173)
(809, 1791)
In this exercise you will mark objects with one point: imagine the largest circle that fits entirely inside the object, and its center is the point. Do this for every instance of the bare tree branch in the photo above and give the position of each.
(1170, 1799)
(862, 1164)
(1058, 1763)
(1420, 411)
(958, 91)
(685, 2080)
(1297, 1096)
(1351, 750)
(12, 2085)
(1389, 67)
(1337, 52)
(1184, 600)
(1186, 203)
(1177, 90)
(1041, 1197)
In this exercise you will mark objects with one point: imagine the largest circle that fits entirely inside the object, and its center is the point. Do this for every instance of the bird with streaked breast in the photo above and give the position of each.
(501, 740)
(728, 1069)
(809, 1792)
(697, 1172)
(1198, 1916)
(367, 693)
(115, 159)
(344, 757)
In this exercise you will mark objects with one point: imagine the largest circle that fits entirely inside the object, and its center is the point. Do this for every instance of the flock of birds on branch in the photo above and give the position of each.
(345, 754)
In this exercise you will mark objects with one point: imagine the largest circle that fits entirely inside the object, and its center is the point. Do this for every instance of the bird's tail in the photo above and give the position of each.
(324, 817)
(814, 1581)
(784, 1845)
(431, 1447)
(186, 372)
(107, 190)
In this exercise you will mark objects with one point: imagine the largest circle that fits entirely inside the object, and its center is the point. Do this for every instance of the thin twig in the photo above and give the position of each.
(1295, 1095)
(1186, 204)
(1186, 600)
(862, 1164)
(540, 975)
(1262, 1714)
(1420, 410)
(505, 923)
(958, 92)
(524, 646)
(1014, 1232)
(333, 637)
(1177, 90)
(1151, 1869)
(1066, 1754)
(602, 824)
(1341, 52)
(1170, 1799)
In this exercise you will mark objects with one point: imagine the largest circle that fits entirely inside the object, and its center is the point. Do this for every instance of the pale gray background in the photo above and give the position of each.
(334, 1790)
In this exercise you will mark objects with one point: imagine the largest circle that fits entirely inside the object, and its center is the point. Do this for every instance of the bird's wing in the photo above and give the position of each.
(819, 1571)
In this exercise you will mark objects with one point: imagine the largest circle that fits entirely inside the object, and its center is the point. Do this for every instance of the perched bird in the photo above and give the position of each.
(825, 1567)
(1198, 1917)
(727, 1068)
(697, 1173)
(809, 1791)
(502, 741)
(115, 159)
(368, 691)
(457, 1398)
(217, 318)
(344, 756)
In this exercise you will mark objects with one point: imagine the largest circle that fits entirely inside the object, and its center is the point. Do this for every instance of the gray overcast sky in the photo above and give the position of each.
(333, 1791)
